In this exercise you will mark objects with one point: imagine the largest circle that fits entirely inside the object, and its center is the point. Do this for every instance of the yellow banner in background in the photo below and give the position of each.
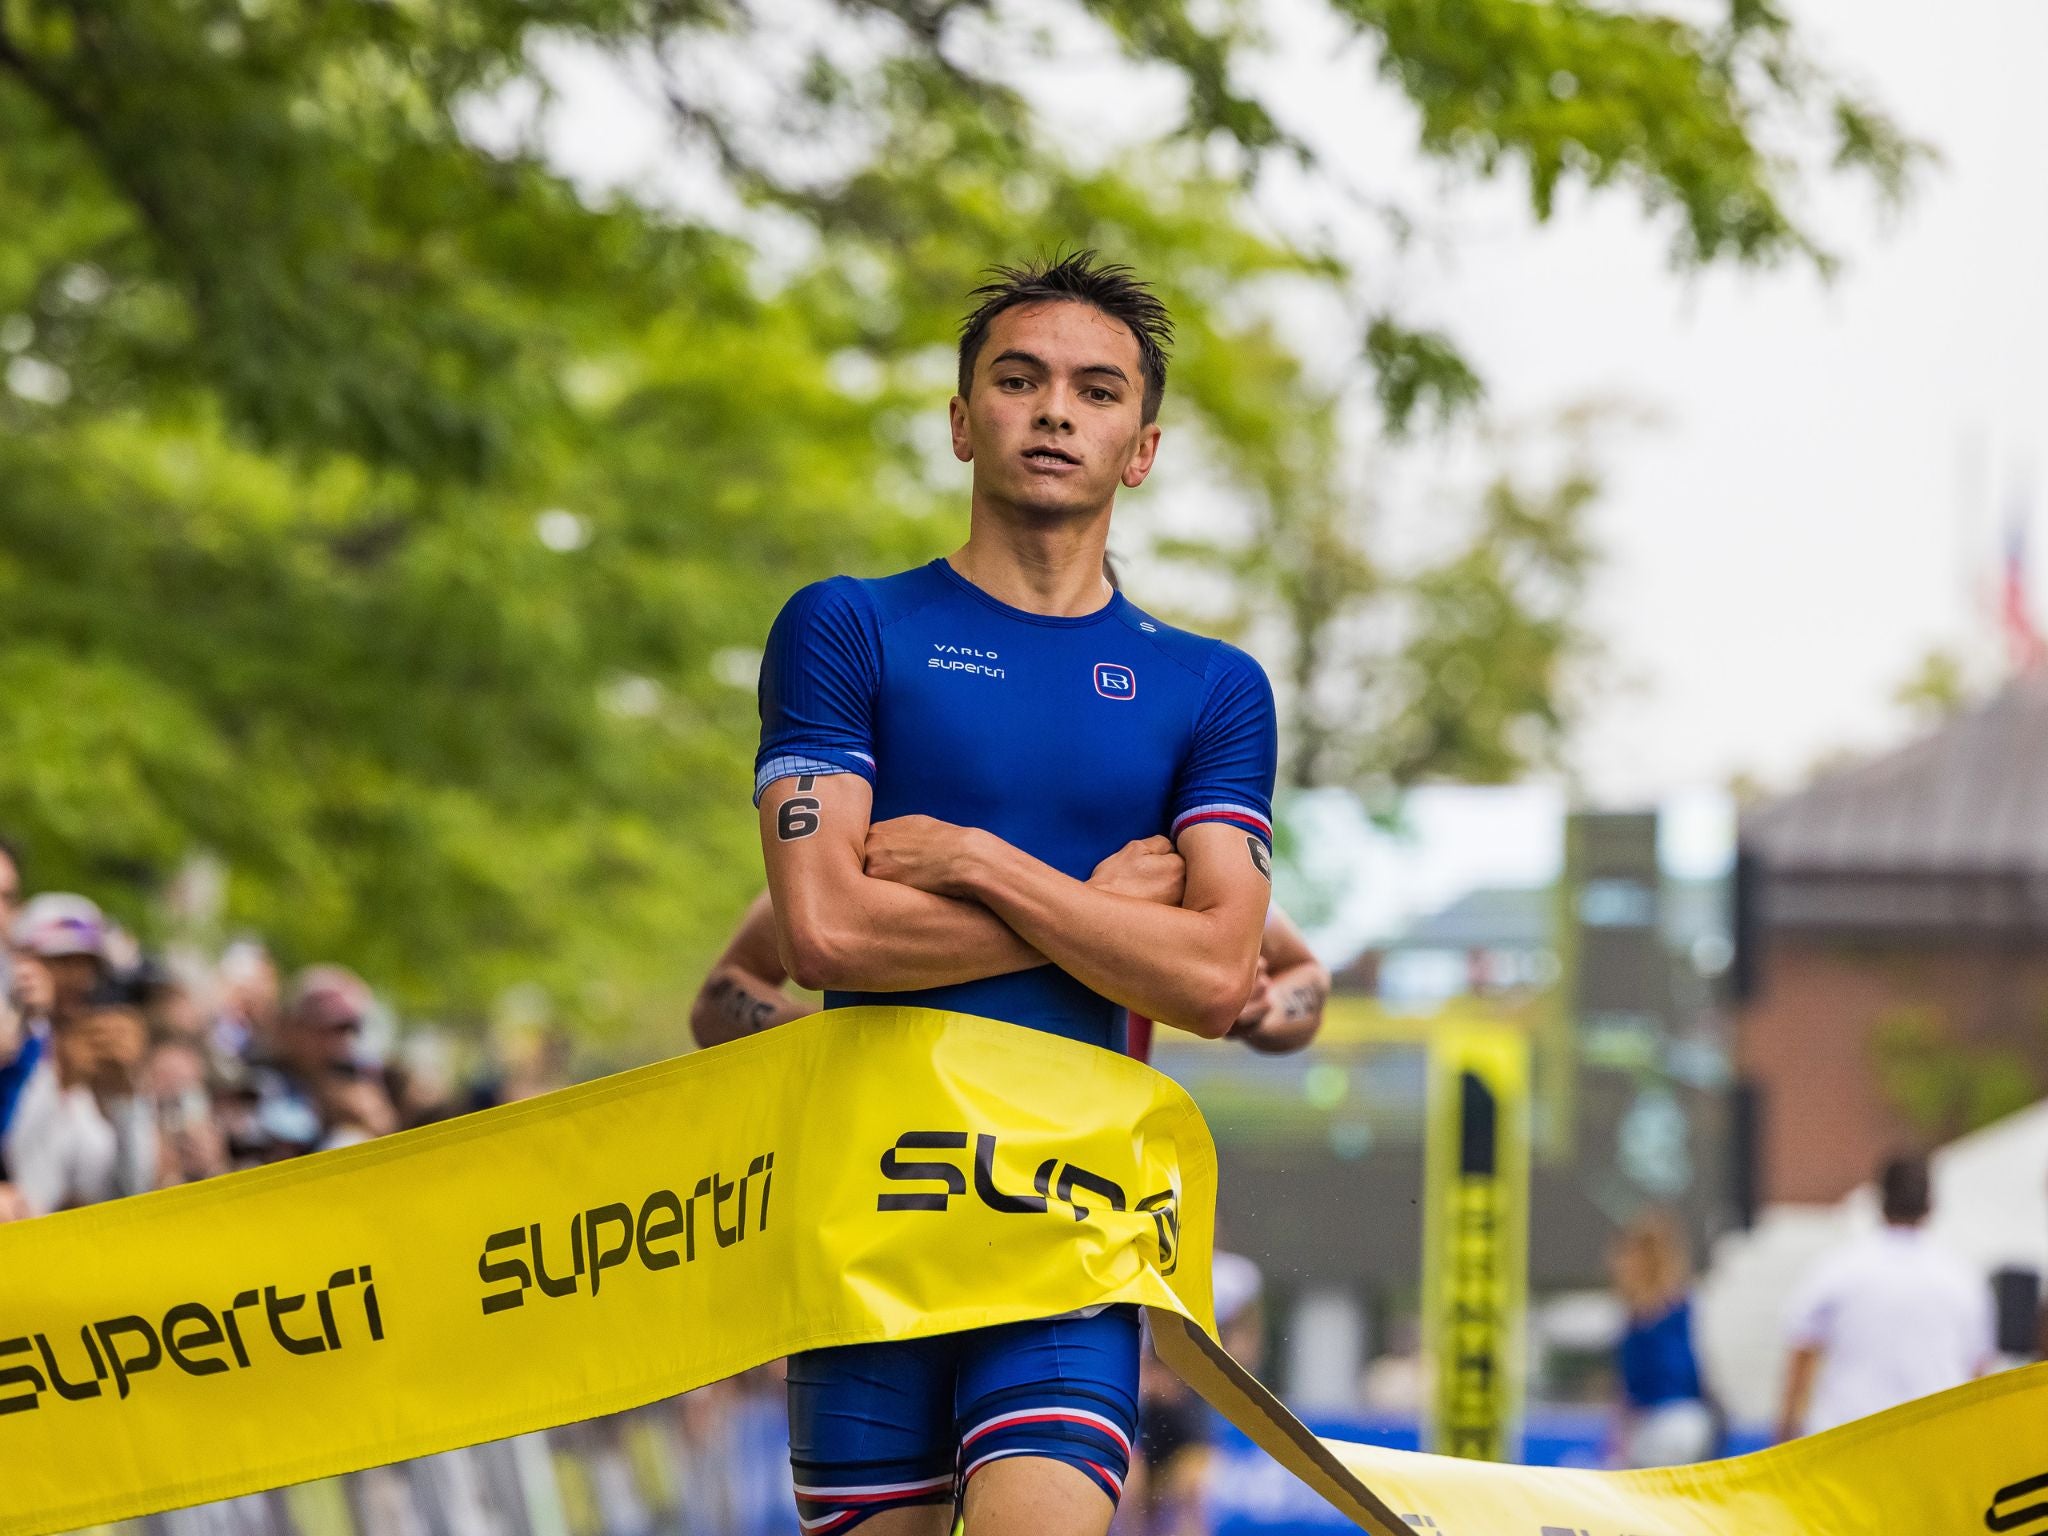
(868, 1174)
(1475, 1241)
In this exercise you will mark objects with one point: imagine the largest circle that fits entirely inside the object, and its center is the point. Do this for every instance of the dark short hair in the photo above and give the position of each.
(1906, 1190)
(1080, 279)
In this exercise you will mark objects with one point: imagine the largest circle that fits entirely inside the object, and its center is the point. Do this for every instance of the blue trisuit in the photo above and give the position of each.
(1067, 738)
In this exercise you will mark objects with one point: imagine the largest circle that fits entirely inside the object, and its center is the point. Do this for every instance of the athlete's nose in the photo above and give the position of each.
(1054, 415)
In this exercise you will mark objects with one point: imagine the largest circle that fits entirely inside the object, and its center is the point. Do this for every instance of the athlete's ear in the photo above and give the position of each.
(963, 445)
(1140, 464)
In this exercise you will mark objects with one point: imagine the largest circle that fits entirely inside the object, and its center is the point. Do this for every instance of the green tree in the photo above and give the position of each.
(1943, 1086)
(386, 515)
(1937, 689)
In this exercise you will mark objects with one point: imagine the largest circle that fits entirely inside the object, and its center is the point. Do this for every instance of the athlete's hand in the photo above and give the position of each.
(1148, 870)
(921, 851)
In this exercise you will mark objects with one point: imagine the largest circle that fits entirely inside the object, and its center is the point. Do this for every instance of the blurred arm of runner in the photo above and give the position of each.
(744, 993)
(1189, 965)
(1800, 1369)
(840, 925)
(1286, 1006)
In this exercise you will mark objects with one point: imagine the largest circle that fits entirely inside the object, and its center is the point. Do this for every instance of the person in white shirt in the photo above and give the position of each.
(61, 1148)
(1889, 1318)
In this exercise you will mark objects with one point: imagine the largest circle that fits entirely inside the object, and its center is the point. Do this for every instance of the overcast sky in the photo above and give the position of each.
(1824, 498)
(1824, 501)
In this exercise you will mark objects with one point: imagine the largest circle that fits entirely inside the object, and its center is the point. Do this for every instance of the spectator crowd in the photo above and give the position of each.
(123, 1071)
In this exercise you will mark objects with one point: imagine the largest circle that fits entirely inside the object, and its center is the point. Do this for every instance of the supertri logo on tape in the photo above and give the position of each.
(2023, 1506)
(191, 1336)
(182, 1346)
(1057, 1182)
(608, 1236)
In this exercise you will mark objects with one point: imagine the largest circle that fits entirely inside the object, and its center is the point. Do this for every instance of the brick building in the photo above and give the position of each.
(1892, 939)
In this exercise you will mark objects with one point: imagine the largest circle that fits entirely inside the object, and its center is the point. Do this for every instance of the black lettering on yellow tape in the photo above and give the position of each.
(181, 1347)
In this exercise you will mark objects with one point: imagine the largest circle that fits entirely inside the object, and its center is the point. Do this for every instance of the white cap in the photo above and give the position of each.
(58, 923)
(1238, 1286)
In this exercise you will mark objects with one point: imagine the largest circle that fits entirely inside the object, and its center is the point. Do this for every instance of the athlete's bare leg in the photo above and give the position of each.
(1036, 1496)
(915, 1520)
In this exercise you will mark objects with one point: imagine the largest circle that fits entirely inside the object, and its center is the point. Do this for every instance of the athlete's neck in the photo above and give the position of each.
(1054, 570)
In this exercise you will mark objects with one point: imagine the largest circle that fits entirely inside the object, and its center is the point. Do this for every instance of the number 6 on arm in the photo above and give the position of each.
(798, 815)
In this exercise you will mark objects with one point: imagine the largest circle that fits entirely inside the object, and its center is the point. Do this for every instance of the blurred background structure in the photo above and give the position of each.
(1612, 427)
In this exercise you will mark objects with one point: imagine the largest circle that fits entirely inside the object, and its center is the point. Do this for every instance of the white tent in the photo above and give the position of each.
(1991, 1193)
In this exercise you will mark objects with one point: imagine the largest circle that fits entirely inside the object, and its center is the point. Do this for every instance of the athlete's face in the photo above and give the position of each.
(1054, 424)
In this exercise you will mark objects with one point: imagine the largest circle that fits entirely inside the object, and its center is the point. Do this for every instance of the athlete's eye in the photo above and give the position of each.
(1016, 379)
(1106, 396)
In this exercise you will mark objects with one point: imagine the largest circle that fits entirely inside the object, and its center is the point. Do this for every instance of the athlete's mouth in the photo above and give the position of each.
(1050, 456)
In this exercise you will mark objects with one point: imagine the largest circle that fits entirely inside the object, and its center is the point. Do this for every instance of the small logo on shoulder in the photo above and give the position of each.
(1115, 681)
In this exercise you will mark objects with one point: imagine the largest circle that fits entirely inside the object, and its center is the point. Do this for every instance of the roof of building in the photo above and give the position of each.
(1491, 917)
(1525, 917)
(1970, 799)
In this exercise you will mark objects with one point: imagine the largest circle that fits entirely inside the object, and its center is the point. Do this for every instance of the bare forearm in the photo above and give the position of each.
(1296, 1013)
(884, 937)
(1175, 964)
(1799, 1374)
(733, 1005)
(840, 927)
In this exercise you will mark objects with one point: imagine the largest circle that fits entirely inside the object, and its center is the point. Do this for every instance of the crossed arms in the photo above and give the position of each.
(744, 992)
(913, 902)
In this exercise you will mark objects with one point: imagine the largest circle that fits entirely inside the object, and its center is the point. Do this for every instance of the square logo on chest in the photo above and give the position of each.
(1113, 680)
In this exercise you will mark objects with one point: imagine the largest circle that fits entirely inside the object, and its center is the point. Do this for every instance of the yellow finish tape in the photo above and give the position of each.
(868, 1174)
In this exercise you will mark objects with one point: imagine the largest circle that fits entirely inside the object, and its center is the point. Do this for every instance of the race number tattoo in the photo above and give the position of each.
(1262, 861)
(798, 815)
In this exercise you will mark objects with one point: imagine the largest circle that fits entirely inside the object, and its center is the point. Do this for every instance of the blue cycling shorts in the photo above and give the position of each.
(881, 1426)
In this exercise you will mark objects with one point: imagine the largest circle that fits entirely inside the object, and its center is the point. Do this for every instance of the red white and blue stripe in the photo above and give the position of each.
(1024, 1430)
(821, 1511)
(1236, 815)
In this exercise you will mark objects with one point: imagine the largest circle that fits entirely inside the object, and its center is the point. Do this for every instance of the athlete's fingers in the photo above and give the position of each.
(920, 851)
(1139, 849)
(1146, 869)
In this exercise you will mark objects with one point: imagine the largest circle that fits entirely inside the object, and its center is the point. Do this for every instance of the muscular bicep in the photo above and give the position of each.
(1229, 878)
(814, 830)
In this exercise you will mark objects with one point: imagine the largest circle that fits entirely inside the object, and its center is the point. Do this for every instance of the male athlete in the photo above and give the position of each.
(947, 756)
